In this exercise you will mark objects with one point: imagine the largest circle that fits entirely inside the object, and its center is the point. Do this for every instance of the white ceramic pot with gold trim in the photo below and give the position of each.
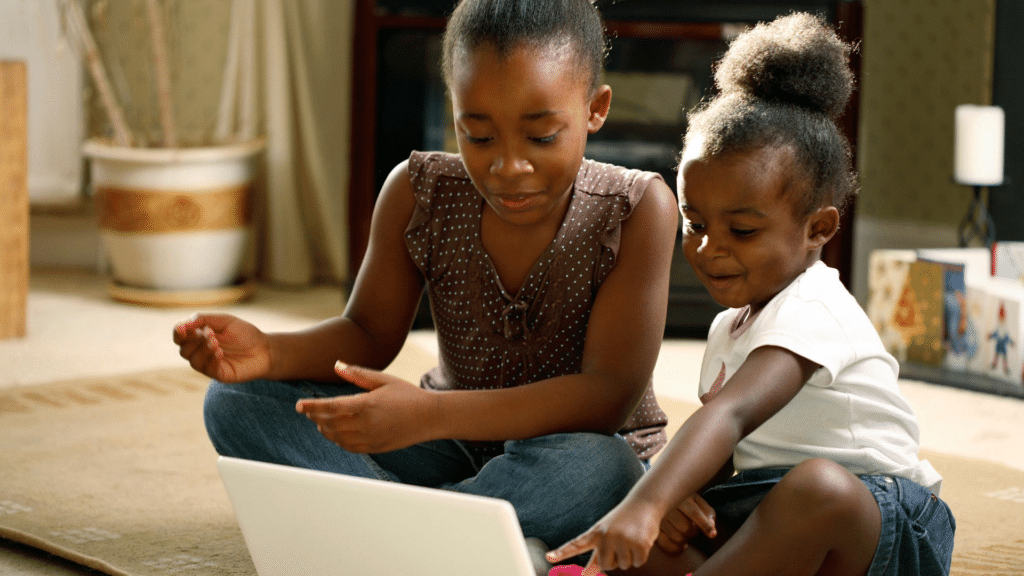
(174, 219)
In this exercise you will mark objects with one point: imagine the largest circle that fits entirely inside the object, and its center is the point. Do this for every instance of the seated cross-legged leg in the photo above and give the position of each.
(819, 519)
(559, 484)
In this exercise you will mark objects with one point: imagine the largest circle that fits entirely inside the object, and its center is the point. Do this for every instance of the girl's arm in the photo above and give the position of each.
(623, 339)
(763, 385)
(380, 309)
(370, 332)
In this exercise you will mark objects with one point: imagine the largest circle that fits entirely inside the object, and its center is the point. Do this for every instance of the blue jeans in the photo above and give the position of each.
(917, 526)
(559, 484)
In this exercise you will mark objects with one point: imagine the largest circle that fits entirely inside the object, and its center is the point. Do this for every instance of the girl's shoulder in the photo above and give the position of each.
(434, 164)
(433, 173)
(603, 179)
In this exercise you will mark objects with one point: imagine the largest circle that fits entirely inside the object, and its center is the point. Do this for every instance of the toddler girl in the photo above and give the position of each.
(548, 283)
(799, 395)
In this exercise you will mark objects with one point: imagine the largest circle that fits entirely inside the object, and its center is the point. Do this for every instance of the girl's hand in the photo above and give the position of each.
(621, 540)
(392, 414)
(223, 347)
(691, 516)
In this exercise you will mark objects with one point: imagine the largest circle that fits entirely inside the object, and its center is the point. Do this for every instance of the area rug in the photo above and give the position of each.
(117, 474)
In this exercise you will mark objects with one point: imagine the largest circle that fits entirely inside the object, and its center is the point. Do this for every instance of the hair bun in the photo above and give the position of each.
(795, 59)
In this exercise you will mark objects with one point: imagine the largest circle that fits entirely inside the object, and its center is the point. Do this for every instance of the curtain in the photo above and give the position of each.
(307, 63)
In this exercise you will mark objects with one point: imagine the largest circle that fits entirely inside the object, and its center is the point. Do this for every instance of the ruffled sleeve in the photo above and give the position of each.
(425, 171)
(624, 185)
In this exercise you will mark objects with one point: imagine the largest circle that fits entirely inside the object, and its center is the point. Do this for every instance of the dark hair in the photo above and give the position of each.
(784, 84)
(505, 24)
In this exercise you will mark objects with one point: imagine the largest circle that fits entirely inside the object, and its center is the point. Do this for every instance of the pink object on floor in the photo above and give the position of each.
(569, 570)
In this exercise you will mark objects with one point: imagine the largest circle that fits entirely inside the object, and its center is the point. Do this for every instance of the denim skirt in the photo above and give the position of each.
(917, 526)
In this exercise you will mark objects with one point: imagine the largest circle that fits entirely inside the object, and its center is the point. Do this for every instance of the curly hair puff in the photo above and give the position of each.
(784, 83)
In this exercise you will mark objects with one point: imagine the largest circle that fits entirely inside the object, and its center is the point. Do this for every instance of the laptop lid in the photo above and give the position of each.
(298, 521)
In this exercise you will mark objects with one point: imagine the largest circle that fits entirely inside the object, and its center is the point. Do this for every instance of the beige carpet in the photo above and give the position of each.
(117, 474)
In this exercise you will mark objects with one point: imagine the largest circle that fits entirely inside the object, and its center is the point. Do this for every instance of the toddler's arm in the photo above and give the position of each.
(763, 385)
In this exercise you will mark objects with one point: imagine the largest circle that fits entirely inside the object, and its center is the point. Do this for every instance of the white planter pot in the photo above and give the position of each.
(174, 219)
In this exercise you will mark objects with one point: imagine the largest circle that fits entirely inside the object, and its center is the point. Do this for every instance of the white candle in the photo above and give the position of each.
(978, 150)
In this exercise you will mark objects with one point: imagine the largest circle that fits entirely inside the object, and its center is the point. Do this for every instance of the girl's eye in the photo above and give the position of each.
(545, 139)
(742, 233)
(475, 140)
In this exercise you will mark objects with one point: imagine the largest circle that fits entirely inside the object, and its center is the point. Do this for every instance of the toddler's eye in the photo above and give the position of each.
(691, 227)
(545, 139)
(742, 233)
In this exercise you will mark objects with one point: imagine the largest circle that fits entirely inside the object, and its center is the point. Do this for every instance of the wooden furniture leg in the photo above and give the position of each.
(13, 198)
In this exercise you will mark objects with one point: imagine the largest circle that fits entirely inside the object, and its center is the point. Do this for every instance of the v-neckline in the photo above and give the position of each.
(542, 257)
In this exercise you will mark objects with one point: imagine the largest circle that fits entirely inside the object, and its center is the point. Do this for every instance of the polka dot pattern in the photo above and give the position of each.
(489, 338)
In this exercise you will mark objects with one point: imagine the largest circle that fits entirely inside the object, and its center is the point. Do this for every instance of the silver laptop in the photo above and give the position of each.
(298, 522)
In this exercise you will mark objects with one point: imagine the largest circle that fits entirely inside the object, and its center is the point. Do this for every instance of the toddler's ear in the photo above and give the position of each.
(823, 224)
(599, 106)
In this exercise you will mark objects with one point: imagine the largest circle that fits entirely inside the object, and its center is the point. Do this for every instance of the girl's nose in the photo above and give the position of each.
(509, 163)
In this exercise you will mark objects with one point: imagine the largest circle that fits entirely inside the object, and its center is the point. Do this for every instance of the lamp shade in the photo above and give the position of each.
(978, 150)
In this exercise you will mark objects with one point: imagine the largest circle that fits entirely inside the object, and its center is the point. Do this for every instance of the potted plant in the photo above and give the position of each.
(174, 217)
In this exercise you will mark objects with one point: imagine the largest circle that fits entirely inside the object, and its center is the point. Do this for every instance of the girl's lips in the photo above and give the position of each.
(518, 203)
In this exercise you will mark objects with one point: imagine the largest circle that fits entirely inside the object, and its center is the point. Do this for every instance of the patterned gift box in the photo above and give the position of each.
(887, 276)
(926, 304)
(967, 271)
(920, 312)
(978, 303)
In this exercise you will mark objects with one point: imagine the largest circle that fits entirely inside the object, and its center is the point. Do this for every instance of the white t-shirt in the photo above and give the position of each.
(851, 410)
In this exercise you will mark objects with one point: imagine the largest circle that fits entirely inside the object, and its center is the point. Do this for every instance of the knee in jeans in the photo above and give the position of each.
(825, 491)
(216, 407)
(609, 459)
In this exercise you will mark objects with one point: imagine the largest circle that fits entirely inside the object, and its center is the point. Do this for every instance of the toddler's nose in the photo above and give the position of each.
(710, 246)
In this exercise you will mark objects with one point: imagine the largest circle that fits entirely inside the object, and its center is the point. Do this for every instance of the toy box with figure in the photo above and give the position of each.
(1002, 328)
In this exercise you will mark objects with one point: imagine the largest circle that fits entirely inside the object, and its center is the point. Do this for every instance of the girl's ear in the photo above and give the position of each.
(823, 224)
(599, 106)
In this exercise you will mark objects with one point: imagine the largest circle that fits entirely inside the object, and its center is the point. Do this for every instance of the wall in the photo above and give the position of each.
(921, 58)
(30, 31)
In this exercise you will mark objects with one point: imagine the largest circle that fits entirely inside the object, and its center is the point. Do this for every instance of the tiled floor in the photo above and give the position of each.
(75, 330)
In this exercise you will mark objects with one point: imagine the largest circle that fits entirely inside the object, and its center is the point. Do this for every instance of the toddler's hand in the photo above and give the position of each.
(622, 539)
(691, 516)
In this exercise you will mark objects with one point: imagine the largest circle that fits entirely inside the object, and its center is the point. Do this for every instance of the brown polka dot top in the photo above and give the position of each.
(489, 338)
